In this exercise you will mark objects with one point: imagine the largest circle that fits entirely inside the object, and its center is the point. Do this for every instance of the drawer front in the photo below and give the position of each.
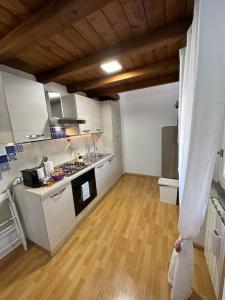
(59, 215)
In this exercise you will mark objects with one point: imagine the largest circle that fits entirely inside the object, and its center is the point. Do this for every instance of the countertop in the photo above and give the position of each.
(48, 190)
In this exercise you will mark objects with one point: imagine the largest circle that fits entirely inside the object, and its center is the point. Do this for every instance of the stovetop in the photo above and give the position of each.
(71, 168)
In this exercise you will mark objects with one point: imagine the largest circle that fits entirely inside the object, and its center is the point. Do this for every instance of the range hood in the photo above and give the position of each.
(65, 122)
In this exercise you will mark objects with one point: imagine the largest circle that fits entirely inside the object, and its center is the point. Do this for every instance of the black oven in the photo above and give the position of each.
(84, 190)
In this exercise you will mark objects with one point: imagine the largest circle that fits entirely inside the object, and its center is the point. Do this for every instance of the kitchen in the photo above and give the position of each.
(92, 103)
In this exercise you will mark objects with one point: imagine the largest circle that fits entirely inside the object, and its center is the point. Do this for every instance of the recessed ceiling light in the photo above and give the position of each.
(111, 66)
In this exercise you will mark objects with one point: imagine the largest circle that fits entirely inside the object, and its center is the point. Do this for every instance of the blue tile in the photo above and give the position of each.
(54, 136)
(4, 167)
(19, 148)
(3, 159)
(10, 149)
(11, 156)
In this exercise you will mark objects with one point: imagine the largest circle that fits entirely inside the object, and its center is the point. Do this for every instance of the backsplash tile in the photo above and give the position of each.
(3, 159)
(11, 156)
(10, 149)
(58, 133)
(0, 176)
(4, 167)
(19, 148)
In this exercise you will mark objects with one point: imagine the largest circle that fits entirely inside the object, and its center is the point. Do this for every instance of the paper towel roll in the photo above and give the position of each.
(49, 167)
(40, 173)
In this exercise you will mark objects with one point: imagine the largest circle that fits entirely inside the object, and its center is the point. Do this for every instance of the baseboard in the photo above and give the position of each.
(140, 175)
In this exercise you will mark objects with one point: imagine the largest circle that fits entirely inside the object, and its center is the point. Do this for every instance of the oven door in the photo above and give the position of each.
(84, 190)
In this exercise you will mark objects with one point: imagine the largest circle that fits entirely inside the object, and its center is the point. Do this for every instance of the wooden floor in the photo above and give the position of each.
(120, 252)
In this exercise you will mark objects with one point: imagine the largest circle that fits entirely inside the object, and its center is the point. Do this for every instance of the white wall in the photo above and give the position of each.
(144, 112)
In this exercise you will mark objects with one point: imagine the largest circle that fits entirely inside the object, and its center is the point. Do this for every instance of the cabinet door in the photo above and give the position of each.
(59, 215)
(27, 108)
(89, 110)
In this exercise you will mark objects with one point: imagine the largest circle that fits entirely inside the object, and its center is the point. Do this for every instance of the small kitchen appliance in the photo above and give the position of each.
(30, 178)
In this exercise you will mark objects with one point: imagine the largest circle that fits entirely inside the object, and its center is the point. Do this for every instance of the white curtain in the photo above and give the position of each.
(201, 118)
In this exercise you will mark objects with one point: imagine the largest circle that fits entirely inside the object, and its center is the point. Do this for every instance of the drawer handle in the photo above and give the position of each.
(86, 131)
(99, 167)
(98, 129)
(34, 136)
(59, 193)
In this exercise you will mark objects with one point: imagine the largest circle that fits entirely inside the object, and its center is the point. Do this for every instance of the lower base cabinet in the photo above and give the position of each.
(107, 174)
(59, 215)
(49, 221)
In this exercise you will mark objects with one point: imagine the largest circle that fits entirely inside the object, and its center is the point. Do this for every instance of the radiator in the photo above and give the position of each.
(215, 245)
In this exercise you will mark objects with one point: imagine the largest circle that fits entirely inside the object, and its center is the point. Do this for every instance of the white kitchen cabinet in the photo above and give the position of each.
(24, 110)
(89, 110)
(215, 263)
(59, 215)
(86, 109)
(107, 174)
(48, 221)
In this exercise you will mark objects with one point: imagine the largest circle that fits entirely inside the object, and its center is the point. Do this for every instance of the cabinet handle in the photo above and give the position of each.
(57, 194)
(86, 131)
(98, 129)
(34, 136)
(99, 167)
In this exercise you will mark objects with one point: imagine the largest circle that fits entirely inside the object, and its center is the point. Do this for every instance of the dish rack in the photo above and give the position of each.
(11, 231)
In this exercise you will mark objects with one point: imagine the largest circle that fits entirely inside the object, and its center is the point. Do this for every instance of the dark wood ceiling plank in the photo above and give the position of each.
(4, 29)
(118, 20)
(175, 10)
(156, 13)
(134, 85)
(101, 25)
(34, 5)
(55, 49)
(77, 40)
(8, 19)
(135, 13)
(160, 38)
(189, 8)
(165, 67)
(89, 34)
(51, 19)
(17, 8)
(61, 41)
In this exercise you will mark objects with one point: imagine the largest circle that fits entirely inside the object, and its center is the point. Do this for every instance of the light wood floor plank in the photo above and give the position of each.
(120, 252)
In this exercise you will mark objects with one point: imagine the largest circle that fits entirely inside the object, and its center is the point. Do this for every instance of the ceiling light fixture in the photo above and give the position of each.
(111, 66)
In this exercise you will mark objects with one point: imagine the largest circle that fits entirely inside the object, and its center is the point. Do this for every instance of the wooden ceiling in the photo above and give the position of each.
(65, 41)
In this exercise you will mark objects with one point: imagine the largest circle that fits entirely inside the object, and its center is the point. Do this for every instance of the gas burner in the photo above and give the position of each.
(71, 168)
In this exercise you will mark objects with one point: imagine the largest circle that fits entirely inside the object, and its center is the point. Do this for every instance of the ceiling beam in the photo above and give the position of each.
(53, 18)
(164, 67)
(134, 85)
(157, 39)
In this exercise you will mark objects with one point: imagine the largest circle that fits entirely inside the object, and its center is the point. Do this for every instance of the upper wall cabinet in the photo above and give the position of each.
(24, 115)
(86, 109)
